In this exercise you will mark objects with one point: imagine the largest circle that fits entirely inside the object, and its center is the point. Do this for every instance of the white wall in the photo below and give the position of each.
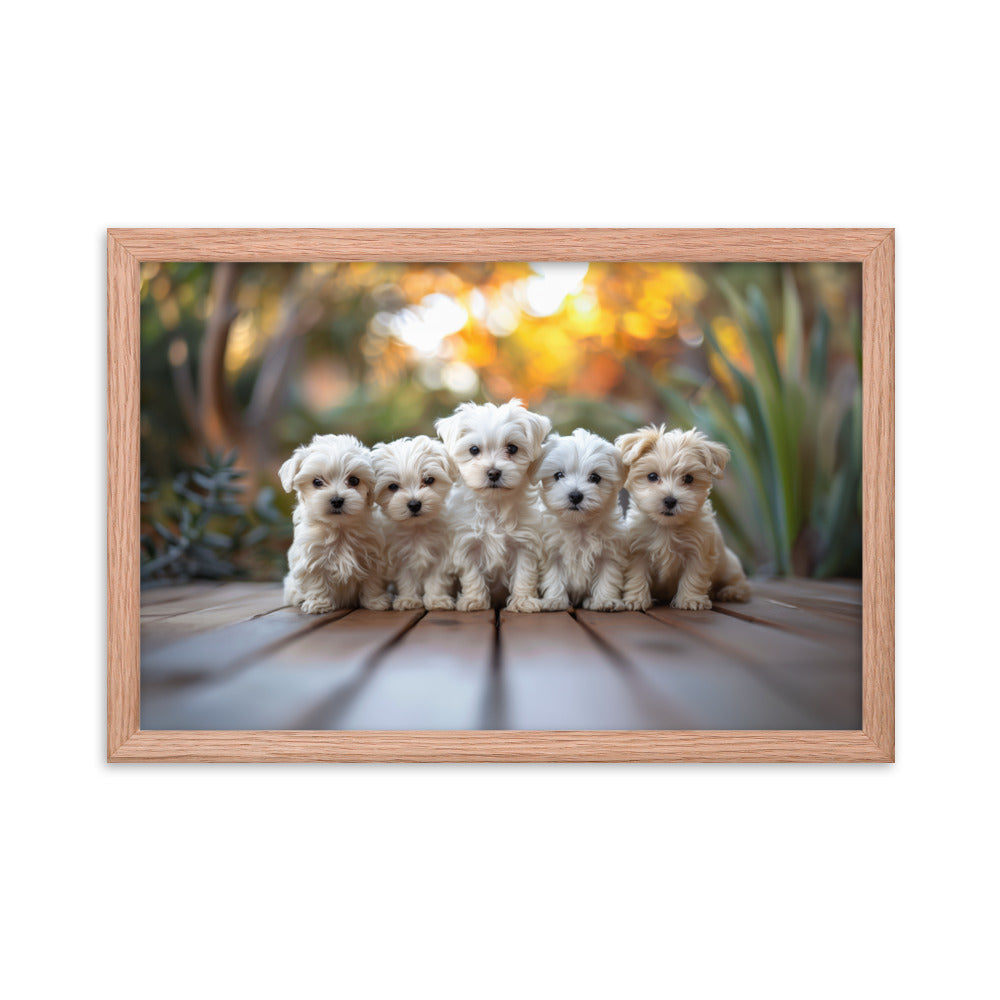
(497, 881)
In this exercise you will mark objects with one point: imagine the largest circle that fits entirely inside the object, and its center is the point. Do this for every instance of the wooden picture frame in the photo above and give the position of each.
(873, 248)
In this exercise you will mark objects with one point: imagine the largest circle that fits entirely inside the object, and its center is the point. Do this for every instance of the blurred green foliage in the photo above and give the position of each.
(202, 528)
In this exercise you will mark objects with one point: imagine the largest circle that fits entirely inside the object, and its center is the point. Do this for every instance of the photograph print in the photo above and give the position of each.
(567, 496)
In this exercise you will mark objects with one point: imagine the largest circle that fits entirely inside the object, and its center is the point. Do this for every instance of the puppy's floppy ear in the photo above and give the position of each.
(633, 446)
(538, 426)
(717, 458)
(290, 469)
(446, 460)
(550, 444)
(447, 429)
(619, 464)
(369, 480)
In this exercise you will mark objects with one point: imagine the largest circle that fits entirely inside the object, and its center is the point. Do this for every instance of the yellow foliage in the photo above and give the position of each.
(639, 325)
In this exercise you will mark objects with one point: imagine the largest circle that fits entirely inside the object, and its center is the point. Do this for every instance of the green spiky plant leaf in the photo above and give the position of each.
(203, 525)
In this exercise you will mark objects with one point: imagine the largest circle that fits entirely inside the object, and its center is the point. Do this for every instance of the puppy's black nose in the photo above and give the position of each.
(575, 497)
(336, 502)
(493, 475)
(670, 502)
(414, 505)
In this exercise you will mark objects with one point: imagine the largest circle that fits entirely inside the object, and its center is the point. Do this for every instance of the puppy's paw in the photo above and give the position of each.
(735, 592)
(696, 602)
(317, 606)
(636, 603)
(439, 602)
(524, 605)
(605, 604)
(472, 603)
(381, 603)
(407, 604)
(554, 604)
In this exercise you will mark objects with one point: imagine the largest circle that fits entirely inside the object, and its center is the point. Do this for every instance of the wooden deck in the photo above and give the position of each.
(229, 656)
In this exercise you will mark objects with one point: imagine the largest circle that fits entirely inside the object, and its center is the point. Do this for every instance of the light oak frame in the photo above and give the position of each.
(873, 248)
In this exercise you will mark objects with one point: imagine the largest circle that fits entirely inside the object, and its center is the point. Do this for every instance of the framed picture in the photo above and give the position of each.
(228, 350)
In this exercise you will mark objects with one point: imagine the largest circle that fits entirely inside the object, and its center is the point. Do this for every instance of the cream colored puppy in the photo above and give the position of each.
(497, 529)
(413, 477)
(676, 551)
(336, 557)
(583, 534)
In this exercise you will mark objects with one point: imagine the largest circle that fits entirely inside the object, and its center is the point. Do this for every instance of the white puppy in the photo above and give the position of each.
(583, 533)
(336, 556)
(676, 551)
(413, 477)
(497, 529)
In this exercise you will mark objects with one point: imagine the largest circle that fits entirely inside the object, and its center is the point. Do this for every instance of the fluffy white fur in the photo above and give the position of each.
(336, 557)
(583, 533)
(413, 477)
(497, 529)
(676, 551)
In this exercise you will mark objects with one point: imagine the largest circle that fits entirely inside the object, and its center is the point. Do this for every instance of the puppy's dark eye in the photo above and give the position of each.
(653, 477)
(429, 481)
(317, 483)
(512, 449)
(392, 487)
(559, 475)
(474, 450)
(688, 479)
(594, 477)
(353, 480)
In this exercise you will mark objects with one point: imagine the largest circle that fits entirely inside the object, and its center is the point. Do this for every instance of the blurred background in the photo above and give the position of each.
(242, 362)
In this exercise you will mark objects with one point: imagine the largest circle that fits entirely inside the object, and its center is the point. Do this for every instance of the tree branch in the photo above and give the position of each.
(219, 421)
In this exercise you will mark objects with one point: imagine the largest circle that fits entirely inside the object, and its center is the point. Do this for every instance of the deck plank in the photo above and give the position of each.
(710, 689)
(790, 588)
(841, 629)
(813, 673)
(221, 650)
(293, 687)
(229, 656)
(151, 596)
(201, 600)
(173, 628)
(439, 675)
(555, 675)
(831, 603)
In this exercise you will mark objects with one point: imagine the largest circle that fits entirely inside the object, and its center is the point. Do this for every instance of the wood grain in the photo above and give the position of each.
(873, 247)
(307, 746)
(161, 629)
(879, 494)
(123, 495)
(220, 665)
(821, 676)
(153, 596)
(556, 676)
(831, 607)
(845, 591)
(795, 618)
(437, 676)
(225, 649)
(220, 596)
(500, 244)
(709, 689)
(290, 686)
